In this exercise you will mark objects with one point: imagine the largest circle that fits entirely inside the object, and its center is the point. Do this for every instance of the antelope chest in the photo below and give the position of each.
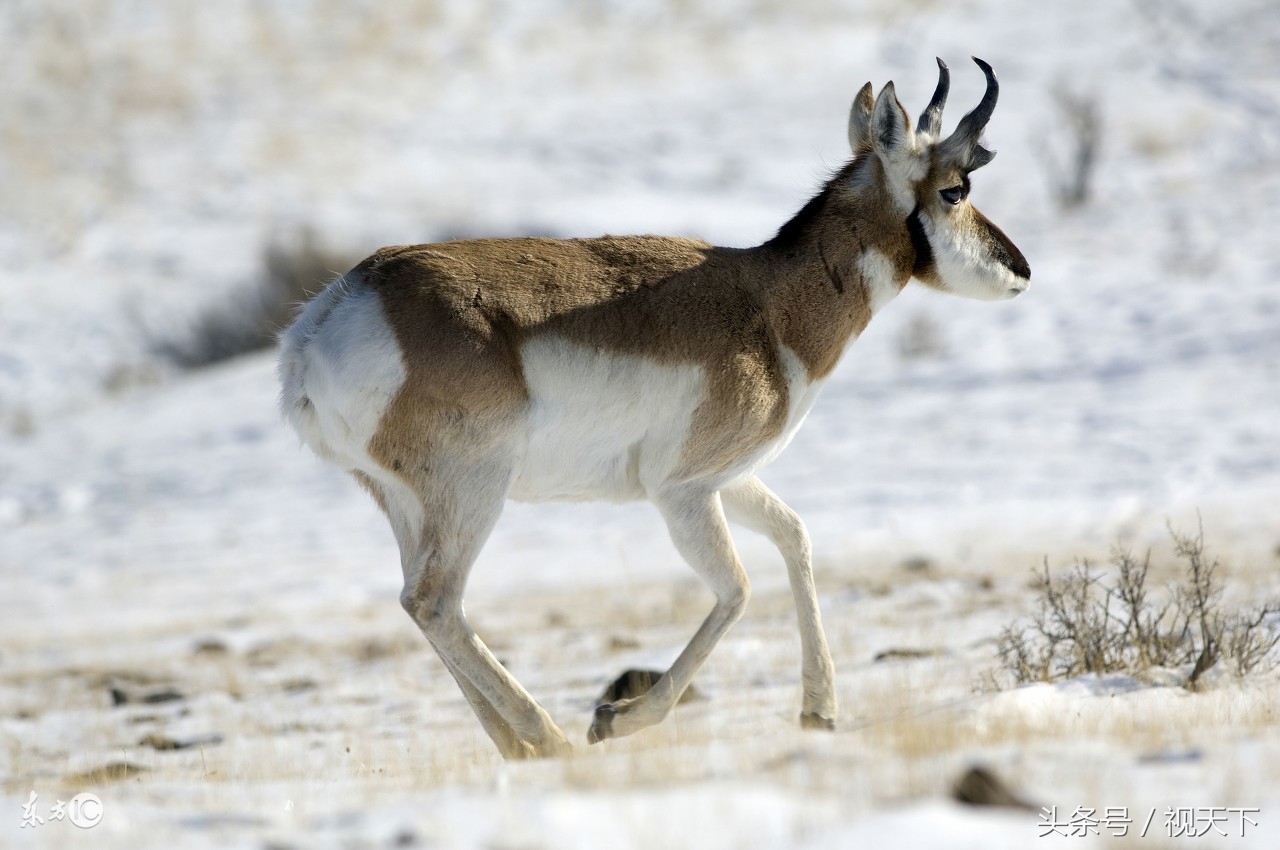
(801, 394)
(613, 427)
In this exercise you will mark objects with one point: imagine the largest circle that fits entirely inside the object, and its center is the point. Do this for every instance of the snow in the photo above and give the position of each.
(144, 510)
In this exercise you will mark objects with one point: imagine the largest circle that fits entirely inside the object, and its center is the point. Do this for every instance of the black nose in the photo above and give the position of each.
(1009, 255)
(1004, 251)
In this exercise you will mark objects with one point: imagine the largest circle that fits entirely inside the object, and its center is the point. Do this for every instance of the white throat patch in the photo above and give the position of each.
(964, 264)
(879, 275)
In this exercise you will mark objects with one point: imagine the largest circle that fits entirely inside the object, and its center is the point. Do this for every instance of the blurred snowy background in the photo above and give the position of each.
(157, 159)
(161, 163)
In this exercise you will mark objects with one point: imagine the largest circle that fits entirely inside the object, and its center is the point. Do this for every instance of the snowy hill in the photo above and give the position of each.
(144, 507)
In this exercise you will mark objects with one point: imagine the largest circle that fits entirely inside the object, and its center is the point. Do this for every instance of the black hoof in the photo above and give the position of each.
(817, 721)
(602, 725)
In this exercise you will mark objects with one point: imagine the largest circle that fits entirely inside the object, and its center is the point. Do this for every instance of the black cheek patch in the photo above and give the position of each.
(924, 266)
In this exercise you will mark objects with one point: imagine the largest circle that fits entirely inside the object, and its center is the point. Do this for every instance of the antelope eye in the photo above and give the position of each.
(954, 195)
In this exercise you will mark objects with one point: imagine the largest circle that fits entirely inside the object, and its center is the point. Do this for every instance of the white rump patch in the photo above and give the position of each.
(340, 366)
(601, 425)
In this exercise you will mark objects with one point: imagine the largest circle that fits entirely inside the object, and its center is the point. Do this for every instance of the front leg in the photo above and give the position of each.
(697, 525)
(755, 506)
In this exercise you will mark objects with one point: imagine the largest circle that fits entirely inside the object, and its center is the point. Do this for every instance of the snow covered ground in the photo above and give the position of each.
(161, 530)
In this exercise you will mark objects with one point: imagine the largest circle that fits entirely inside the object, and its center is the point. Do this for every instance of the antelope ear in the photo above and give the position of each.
(890, 129)
(978, 157)
(860, 119)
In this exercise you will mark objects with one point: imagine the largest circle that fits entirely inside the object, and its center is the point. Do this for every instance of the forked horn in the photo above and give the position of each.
(963, 143)
(930, 122)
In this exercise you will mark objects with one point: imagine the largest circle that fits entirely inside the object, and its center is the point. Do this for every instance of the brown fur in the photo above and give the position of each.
(463, 314)
(462, 310)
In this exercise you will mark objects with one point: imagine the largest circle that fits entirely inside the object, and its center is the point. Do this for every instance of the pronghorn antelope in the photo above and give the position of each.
(448, 378)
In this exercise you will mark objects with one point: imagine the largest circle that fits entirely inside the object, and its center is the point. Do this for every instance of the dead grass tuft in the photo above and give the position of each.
(116, 771)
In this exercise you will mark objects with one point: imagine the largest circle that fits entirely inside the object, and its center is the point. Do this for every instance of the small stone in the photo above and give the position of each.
(157, 741)
(618, 643)
(980, 787)
(905, 654)
(634, 682)
(210, 647)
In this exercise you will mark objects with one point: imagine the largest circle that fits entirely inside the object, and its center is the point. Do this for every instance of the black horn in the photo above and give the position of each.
(971, 126)
(931, 119)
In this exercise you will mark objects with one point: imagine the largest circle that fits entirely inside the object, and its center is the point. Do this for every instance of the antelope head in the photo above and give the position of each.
(957, 249)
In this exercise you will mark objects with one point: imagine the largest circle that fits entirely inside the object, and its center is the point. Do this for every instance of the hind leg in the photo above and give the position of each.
(498, 730)
(462, 499)
(440, 533)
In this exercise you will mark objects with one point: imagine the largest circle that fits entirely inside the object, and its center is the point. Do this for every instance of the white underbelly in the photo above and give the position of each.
(601, 425)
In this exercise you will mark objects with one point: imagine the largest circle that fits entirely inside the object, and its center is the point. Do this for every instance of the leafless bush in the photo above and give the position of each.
(1080, 123)
(1083, 624)
(292, 271)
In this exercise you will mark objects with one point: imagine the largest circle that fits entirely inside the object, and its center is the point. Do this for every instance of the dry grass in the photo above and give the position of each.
(1159, 720)
(378, 722)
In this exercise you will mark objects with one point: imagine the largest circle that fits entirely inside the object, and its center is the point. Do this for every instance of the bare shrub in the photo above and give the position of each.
(1084, 624)
(1080, 123)
(292, 272)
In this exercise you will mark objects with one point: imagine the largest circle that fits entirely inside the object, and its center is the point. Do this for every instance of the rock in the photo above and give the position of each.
(157, 741)
(210, 647)
(618, 643)
(901, 654)
(980, 787)
(121, 697)
(632, 683)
